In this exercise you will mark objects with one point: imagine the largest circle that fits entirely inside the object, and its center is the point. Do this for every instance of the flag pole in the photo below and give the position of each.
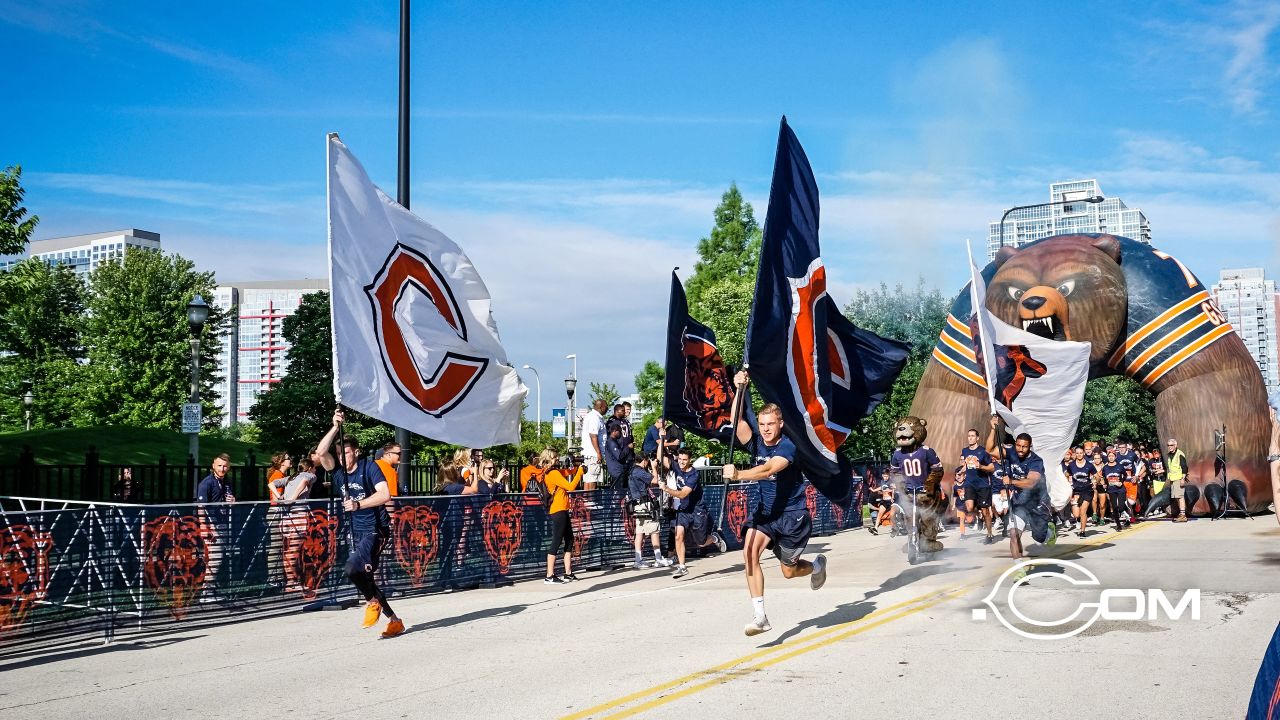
(402, 189)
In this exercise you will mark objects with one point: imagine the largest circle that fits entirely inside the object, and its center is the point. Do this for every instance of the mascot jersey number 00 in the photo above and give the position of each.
(1147, 317)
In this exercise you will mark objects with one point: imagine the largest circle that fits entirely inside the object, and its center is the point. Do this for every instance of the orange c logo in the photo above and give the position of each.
(454, 377)
(808, 292)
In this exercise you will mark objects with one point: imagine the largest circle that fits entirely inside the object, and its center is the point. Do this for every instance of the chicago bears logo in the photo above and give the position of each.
(580, 520)
(1014, 367)
(811, 501)
(736, 504)
(175, 561)
(502, 522)
(451, 381)
(316, 551)
(628, 521)
(416, 539)
(24, 573)
(809, 360)
(707, 387)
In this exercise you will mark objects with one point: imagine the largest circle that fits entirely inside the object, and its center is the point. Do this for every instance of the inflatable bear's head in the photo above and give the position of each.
(909, 433)
(1068, 287)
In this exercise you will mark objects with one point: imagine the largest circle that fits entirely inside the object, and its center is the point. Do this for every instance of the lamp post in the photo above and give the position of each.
(27, 400)
(197, 315)
(570, 387)
(538, 379)
(1093, 200)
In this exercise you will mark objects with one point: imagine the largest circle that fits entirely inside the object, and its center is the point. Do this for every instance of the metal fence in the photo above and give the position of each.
(75, 571)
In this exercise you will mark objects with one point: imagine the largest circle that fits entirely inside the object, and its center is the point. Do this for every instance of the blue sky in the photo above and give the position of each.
(576, 150)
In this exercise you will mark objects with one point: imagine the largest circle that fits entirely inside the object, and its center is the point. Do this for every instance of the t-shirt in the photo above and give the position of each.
(1157, 466)
(1129, 461)
(212, 490)
(650, 445)
(673, 441)
(453, 488)
(688, 479)
(973, 477)
(783, 492)
(272, 484)
(999, 474)
(298, 487)
(1081, 475)
(640, 484)
(915, 466)
(389, 472)
(1114, 473)
(527, 472)
(358, 485)
(592, 424)
(1021, 468)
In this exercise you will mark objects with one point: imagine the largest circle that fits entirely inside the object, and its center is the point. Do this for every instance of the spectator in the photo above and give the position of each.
(534, 468)
(293, 526)
(456, 480)
(558, 512)
(491, 481)
(277, 475)
(644, 507)
(215, 489)
(125, 489)
(618, 454)
(691, 513)
(881, 493)
(592, 448)
(1176, 470)
(388, 461)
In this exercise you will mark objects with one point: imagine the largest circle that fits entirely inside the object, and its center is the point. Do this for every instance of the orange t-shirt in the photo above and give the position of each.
(527, 472)
(389, 472)
(272, 477)
(560, 489)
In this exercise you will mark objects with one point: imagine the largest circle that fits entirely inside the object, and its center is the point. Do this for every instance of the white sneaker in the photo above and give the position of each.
(757, 626)
(640, 565)
(819, 576)
(664, 562)
(680, 572)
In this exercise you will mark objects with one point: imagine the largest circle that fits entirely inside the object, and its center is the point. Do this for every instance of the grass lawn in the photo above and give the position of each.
(118, 446)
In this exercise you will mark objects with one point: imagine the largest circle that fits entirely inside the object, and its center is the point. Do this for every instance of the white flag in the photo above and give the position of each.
(1044, 383)
(414, 341)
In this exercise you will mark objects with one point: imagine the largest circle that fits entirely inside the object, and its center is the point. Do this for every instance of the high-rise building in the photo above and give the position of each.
(1250, 304)
(1110, 216)
(83, 253)
(253, 352)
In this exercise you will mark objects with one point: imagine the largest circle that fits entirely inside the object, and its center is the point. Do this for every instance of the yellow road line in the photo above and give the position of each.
(718, 674)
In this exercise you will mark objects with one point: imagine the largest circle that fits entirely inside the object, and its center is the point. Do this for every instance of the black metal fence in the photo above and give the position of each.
(76, 571)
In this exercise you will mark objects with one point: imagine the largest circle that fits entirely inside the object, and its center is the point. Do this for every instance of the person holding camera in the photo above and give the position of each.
(691, 513)
(558, 512)
(644, 507)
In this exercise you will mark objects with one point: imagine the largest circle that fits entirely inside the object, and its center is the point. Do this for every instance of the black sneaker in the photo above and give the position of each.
(550, 580)
(872, 529)
(564, 579)
(570, 577)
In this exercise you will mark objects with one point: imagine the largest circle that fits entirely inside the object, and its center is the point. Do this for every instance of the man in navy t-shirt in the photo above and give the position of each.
(691, 512)
(1028, 506)
(781, 520)
(365, 495)
(215, 489)
(978, 467)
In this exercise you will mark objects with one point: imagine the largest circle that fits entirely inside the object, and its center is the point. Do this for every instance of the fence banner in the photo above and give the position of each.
(97, 570)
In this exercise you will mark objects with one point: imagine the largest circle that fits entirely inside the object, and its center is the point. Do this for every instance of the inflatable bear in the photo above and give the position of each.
(1147, 317)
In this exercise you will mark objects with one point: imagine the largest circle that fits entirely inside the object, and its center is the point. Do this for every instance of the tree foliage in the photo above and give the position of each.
(1117, 407)
(41, 309)
(136, 338)
(731, 250)
(297, 411)
(15, 231)
(649, 386)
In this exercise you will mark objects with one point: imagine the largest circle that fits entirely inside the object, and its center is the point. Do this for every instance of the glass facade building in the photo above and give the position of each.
(1110, 216)
(83, 253)
(1249, 302)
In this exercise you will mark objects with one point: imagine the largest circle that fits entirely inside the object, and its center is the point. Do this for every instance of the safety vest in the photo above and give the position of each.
(1175, 467)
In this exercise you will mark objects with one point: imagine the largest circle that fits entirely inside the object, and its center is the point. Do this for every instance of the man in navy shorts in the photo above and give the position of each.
(781, 520)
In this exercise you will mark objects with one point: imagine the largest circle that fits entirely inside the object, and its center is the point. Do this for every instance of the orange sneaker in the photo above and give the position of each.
(394, 628)
(372, 611)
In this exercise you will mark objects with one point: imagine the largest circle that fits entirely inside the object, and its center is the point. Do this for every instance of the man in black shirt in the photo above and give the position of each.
(365, 495)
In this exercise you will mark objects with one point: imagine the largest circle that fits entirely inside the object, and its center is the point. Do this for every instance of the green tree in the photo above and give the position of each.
(1117, 407)
(14, 230)
(136, 338)
(650, 382)
(607, 392)
(41, 308)
(726, 308)
(732, 249)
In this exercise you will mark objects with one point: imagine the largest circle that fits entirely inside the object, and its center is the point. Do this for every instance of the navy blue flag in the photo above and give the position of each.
(824, 372)
(1264, 703)
(698, 393)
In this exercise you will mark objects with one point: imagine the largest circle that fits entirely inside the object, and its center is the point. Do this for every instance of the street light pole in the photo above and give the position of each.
(538, 379)
(197, 315)
(570, 387)
(1093, 200)
(27, 399)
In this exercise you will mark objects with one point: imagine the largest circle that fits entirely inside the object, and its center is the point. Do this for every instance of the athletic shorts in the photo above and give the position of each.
(981, 496)
(646, 526)
(1017, 522)
(788, 534)
(561, 533)
(694, 524)
(1176, 491)
(366, 552)
(594, 472)
(1083, 495)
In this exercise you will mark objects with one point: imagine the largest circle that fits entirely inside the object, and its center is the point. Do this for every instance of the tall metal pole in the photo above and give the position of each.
(402, 192)
(538, 378)
(193, 442)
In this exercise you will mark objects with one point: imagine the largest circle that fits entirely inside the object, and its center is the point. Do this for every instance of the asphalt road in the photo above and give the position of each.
(882, 639)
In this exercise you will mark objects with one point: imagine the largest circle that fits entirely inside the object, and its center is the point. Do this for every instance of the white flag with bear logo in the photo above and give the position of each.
(1035, 384)
(414, 341)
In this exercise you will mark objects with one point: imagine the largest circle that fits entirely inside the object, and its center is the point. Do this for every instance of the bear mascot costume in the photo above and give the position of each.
(1147, 317)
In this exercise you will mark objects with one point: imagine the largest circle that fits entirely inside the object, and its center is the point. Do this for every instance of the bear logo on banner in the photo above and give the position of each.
(628, 521)
(24, 573)
(416, 538)
(580, 518)
(503, 521)
(736, 503)
(175, 561)
(811, 501)
(316, 553)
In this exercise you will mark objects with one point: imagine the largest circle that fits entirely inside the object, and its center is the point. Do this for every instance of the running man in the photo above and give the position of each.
(977, 481)
(1026, 476)
(1080, 472)
(781, 520)
(365, 495)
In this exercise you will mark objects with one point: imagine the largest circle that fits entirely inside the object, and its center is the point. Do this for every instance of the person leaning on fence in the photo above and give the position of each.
(215, 489)
(293, 523)
(641, 485)
(365, 495)
(278, 476)
(558, 512)
(491, 480)
(457, 479)
(592, 445)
